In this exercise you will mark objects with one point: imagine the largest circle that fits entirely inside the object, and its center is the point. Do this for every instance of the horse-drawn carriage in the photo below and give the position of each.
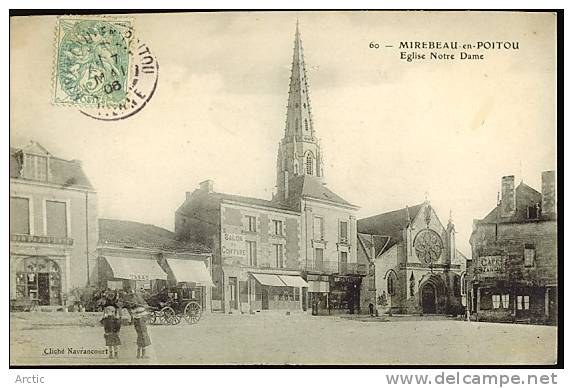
(171, 306)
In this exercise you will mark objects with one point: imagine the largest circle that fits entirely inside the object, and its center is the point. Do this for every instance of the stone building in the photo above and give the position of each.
(256, 249)
(317, 244)
(513, 272)
(417, 268)
(53, 227)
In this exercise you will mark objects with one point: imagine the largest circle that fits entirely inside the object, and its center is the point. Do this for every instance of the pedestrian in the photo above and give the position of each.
(111, 326)
(140, 327)
(371, 309)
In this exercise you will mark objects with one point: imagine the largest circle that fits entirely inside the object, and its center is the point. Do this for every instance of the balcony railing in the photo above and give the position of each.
(336, 267)
(26, 238)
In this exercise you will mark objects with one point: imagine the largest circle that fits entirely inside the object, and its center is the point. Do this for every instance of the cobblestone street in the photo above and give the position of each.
(281, 339)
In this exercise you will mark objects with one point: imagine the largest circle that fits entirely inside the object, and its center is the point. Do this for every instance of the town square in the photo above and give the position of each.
(213, 213)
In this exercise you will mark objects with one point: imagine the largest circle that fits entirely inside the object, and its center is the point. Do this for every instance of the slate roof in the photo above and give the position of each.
(66, 173)
(311, 187)
(389, 224)
(120, 233)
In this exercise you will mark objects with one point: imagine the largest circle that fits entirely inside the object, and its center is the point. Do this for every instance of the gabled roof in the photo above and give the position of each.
(524, 196)
(389, 224)
(130, 234)
(66, 173)
(312, 187)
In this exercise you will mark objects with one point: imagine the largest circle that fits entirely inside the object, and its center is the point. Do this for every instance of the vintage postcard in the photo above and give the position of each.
(284, 188)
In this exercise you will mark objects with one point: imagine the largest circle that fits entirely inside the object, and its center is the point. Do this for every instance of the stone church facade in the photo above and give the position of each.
(417, 268)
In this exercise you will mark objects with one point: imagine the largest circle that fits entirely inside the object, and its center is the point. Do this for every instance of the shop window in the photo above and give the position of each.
(36, 167)
(523, 302)
(505, 301)
(19, 215)
(318, 228)
(39, 279)
(56, 219)
(529, 255)
(278, 259)
(252, 253)
(278, 227)
(251, 223)
(495, 300)
(343, 226)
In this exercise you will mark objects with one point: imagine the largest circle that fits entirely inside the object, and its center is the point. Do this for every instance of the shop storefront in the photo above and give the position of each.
(344, 296)
(276, 292)
(118, 272)
(39, 280)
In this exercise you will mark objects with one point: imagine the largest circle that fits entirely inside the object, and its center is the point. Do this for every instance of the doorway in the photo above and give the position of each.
(44, 289)
(429, 299)
(233, 287)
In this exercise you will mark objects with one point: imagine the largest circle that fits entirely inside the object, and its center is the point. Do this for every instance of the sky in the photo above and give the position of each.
(392, 132)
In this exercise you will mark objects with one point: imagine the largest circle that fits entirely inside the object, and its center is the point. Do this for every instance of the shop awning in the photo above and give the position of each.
(194, 271)
(135, 269)
(293, 281)
(268, 279)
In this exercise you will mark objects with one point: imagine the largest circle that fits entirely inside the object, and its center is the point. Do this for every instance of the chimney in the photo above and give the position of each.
(187, 195)
(548, 192)
(508, 196)
(206, 186)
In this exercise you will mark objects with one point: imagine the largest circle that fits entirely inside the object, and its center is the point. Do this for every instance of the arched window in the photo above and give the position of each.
(305, 124)
(391, 283)
(309, 164)
(464, 285)
(412, 284)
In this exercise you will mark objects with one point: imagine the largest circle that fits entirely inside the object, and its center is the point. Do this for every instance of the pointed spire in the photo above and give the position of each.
(299, 119)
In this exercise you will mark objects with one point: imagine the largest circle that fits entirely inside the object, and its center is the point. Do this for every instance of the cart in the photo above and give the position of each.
(170, 307)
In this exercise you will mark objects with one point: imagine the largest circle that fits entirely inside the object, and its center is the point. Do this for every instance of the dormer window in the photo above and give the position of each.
(533, 212)
(35, 167)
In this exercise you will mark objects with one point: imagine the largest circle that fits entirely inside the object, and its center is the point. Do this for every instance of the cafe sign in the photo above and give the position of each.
(491, 264)
(233, 245)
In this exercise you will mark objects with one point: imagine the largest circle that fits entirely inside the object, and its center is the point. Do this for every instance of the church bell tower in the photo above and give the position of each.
(299, 150)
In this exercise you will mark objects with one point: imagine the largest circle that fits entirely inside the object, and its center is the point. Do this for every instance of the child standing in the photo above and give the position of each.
(140, 326)
(111, 326)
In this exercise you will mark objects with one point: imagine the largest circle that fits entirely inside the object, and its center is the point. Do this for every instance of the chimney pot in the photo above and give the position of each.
(508, 196)
(187, 194)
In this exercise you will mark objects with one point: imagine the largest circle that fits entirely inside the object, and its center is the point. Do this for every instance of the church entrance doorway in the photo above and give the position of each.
(429, 299)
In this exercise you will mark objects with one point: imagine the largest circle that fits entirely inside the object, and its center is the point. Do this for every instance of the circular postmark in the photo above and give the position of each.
(140, 87)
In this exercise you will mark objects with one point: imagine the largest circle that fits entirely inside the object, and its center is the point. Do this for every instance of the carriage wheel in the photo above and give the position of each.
(153, 318)
(168, 315)
(192, 312)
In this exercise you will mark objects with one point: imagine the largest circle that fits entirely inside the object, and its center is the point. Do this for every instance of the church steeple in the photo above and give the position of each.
(299, 150)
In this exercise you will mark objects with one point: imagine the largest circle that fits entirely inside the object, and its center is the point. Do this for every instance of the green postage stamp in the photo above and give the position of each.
(92, 62)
